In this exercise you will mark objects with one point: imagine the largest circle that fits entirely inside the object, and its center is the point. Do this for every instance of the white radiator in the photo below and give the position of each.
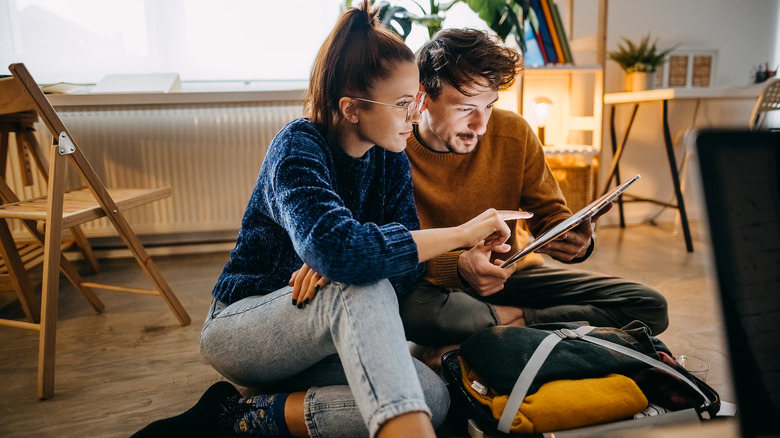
(209, 155)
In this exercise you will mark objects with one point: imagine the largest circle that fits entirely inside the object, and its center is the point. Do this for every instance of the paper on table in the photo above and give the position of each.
(138, 83)
(65, 88)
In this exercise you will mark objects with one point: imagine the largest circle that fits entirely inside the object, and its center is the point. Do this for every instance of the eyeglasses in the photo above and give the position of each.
(411, 107)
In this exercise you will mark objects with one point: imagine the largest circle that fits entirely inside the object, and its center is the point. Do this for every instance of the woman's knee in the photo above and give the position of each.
(374, 295)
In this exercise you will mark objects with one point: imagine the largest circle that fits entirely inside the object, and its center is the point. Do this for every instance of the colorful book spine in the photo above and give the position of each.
(533, 27)
(548, 17)
(565, 48)
(533, 54)
(548, 47)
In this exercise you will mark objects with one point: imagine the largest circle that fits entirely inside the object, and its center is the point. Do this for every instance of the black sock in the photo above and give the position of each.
(201, 420)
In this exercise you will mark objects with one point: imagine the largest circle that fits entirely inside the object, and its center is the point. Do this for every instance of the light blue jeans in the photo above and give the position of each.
(346, 349)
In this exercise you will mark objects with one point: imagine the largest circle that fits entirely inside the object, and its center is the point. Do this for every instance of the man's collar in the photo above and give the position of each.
(416, 132)
(418, 137)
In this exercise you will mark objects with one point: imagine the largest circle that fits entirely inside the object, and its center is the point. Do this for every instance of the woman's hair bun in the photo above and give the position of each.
(363, 18)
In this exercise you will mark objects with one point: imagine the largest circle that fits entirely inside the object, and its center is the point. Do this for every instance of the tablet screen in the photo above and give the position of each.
(587, 212)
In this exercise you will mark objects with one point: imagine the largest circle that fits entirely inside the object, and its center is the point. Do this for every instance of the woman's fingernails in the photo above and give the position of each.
(300, 305)
(317, 288)
(306, 301)
(294, 301)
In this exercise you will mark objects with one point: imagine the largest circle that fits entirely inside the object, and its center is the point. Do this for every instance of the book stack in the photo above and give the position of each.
(545, 39)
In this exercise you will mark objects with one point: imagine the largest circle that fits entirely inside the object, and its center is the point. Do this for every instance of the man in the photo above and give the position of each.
(467, 156)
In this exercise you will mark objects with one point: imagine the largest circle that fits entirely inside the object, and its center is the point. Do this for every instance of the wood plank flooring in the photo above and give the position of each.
(119, 370)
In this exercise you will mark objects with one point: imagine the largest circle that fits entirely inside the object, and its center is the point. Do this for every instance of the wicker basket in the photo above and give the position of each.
(574, 176)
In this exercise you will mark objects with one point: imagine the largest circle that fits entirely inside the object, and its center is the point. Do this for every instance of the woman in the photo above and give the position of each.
(308, 301)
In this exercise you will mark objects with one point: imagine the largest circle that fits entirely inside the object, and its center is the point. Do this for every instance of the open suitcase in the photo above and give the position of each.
(519, 360)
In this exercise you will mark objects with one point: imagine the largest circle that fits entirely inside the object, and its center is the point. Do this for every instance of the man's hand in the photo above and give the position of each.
(574, 244)
(484, 276)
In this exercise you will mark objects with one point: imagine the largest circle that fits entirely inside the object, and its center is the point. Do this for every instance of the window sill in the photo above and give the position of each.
(191, 93)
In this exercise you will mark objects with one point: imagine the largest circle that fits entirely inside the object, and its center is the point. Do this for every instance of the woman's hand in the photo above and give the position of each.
(490, 227)
(305, 283)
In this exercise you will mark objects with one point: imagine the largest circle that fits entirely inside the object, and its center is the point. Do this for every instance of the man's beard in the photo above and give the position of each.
(468, 137)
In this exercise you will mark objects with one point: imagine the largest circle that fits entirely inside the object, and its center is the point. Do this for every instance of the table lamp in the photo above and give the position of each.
(542, 108)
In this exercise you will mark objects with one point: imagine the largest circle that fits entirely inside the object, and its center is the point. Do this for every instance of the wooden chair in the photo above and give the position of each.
(28, 149)
(46, 217)
(769, 100)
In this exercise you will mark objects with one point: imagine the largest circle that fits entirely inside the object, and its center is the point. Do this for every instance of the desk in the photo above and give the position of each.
(663, 96)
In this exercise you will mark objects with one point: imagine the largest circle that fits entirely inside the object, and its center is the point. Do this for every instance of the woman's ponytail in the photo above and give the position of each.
(357, 52)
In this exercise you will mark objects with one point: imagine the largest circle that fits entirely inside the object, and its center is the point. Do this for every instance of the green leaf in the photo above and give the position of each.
(504, 17)
(395, 18)
(644, 56)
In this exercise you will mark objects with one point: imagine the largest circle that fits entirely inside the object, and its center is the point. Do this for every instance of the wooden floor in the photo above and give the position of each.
(121, 369)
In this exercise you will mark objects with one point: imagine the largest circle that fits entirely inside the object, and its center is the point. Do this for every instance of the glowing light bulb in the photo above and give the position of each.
(542, 108)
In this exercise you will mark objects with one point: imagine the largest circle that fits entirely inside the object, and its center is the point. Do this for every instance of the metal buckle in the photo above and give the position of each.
(567, 333)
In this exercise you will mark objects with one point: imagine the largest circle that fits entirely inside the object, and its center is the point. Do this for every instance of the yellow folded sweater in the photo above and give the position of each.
(563, 404)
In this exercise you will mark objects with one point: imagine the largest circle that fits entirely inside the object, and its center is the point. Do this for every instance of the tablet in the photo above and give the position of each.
(577, 218)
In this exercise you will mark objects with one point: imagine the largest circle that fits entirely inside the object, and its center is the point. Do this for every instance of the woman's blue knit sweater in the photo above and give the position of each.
(348, 218)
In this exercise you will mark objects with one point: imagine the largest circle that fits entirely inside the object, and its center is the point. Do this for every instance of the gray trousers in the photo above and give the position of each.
(436, 316)
(346, 348)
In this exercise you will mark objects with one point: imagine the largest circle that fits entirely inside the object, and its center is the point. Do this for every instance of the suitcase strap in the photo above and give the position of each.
(543, 351)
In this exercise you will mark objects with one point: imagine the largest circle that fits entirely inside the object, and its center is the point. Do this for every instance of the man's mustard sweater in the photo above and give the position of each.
(506, 171)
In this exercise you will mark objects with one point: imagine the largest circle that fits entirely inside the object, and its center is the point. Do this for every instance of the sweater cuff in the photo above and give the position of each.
(443, 270)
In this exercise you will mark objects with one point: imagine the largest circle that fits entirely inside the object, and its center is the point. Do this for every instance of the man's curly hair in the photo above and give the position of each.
(459, 57)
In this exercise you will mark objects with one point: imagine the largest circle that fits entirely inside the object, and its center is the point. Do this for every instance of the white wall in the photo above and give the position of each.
(744, 33)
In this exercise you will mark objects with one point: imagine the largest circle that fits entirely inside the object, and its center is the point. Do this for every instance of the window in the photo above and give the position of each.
(202, 40)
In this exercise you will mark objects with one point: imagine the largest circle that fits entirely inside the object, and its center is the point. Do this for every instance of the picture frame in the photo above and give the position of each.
(687, 68)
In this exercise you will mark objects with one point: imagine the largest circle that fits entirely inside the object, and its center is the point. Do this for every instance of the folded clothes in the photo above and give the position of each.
(562, 404)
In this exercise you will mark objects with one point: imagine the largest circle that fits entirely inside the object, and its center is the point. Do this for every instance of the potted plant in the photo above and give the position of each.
(504, 17)
(639, 61)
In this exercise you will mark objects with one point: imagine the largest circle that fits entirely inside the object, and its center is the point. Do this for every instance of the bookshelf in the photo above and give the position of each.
(573, 125)
(573, 121)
